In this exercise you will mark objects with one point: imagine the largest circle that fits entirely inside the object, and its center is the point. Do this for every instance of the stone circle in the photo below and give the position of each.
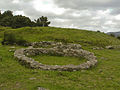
(57, 49)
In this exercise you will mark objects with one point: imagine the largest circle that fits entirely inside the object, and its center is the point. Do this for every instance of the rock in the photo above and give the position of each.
(33, 78)
(103, 58)
(60, 50)
(30, 47)
(109, 47)
(41, 88)
(12, 49)
(98, 48)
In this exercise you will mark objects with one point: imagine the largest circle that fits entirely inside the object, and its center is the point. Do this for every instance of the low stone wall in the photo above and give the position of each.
(57, 50)
(107, 47)
(55, 44)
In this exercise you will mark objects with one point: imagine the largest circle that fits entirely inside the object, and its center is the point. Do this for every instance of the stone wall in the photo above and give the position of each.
(58, 49)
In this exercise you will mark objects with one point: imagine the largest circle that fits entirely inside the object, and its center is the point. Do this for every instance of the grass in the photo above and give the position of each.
(82, 37)
(105, 76)
(58, 60)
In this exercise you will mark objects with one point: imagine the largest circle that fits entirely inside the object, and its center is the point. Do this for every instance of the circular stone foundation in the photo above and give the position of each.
(56, 49)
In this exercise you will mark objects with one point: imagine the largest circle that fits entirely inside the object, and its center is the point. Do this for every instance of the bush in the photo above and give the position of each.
(10, 38)
(118, 37)
(98, 31)
(112, 35)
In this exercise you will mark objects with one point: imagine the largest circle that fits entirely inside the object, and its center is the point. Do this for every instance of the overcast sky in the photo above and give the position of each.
(103, 15)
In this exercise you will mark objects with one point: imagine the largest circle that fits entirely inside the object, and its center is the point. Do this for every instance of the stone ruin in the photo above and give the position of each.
(56, 49)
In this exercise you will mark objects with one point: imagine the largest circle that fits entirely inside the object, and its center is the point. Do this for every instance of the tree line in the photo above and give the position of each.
(7, 19)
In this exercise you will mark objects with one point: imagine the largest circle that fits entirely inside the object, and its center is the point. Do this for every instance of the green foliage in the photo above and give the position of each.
(21, 21)
(98, 30)
(42, 21)
(13, 39)
(112, 35)
(82, 37)
(118, 37)
(105, 75)
(7, 13)
(8, 20)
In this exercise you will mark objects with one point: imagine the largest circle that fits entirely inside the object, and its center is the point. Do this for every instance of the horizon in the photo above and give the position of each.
(90, 15)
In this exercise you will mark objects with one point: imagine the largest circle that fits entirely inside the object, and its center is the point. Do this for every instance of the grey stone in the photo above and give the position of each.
(109, 47)
(61, 50)
(41, 88)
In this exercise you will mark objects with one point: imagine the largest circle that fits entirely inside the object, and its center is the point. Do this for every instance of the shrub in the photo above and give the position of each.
(118, 37)
(112, 35)
(98, 31)
(10, 38)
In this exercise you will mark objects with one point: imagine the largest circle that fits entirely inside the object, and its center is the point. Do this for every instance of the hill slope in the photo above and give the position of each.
(105, 76)
(83, 37)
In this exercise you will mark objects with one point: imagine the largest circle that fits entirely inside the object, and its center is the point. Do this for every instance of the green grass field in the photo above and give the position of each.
(105, 76)
(58, 60)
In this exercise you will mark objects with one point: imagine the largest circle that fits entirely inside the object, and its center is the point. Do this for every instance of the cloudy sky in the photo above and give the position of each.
(103, 15)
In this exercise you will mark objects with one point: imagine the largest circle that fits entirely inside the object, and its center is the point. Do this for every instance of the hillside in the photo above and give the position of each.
(84, 37)
(105, 75)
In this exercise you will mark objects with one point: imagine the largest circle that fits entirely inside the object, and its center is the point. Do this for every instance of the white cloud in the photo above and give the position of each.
(117, 17)
(47, 6)
(16, 1)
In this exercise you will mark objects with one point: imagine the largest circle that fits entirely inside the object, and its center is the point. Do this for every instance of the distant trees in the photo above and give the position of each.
(21, 21)
(7, 19)
(42, 21)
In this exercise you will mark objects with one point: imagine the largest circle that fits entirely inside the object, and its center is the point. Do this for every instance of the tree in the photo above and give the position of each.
(7, 13)
(21, 21)
(42, 21)
(6, 18)
(6, 21)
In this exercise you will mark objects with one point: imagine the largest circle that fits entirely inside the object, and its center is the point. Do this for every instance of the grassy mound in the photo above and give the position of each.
(82, 37)
(105, 76)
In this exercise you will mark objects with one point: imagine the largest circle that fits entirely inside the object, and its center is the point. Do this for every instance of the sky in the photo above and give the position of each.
(102, 15)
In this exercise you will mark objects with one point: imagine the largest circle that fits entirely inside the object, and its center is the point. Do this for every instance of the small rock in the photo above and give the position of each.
(103, 58)
(41, 88)
(33, 78)
(30, 47)
(109, 47)
(12, 50)
(13, 47)
(98, 48)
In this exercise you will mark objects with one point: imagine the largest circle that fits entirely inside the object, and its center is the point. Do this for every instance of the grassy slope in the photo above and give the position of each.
(65, 35)
(105, 76)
